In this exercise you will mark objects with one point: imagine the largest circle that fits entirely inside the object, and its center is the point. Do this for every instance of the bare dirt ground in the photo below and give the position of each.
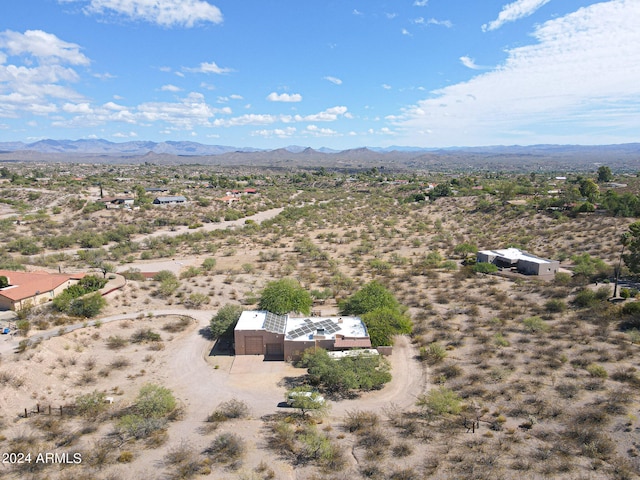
(200, 381)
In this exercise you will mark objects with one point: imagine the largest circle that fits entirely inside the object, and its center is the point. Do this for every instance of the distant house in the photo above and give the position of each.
(524, 262)
(228, 199)
(33, 288)
(169, 200)
(156, 189)
(250, 191)
(117, 202)
(284, 337)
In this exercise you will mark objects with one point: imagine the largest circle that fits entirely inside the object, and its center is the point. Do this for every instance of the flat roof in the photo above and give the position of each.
(302, 329)
(515, 254)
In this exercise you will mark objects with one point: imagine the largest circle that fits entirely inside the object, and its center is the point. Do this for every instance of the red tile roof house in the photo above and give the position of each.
(33, 288)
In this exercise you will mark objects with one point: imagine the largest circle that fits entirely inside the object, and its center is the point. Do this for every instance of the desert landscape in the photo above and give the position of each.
(503, 375)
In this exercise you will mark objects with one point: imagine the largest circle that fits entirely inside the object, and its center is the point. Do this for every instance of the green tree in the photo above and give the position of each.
(284, 296)
(383, 323)
(225, 320)
(588, 266)
(604, 174)
(372, 296)
(345, 374)
(87, 306)
(632, 259)
(590, 190)
(4, 281)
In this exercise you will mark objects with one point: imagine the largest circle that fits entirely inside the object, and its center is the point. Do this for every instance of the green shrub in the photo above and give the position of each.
(225, 320)
(536, 324)
(485, 267)
(91, 404)
(596, 370)
(434, 353)
(155, 401)
(440, 401)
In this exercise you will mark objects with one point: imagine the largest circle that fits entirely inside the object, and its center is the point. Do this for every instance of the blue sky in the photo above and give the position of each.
(335, 73)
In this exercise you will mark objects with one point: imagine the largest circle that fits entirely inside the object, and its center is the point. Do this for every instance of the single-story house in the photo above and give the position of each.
(284, 337)
(115, 202)
(33, 288)
(228, 199)
(524, 262)
(169, 200)
(156, 189)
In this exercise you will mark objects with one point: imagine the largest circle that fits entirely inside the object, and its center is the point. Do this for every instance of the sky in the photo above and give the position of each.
(335, 73)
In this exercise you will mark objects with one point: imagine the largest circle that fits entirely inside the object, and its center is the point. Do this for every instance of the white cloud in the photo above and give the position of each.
(170, 88)
(45, 47)
(470, 63)
(209, 67)
(514, 11)
(39, 85)
(334, 80)
(420, 3)
(582, 75)
(386, 87)
(284, 97)
(277, 132)
(357, 12)
(166, 13)
(406, 32)
(125, 135)
(440, 23)
(329, 115)
(320, 132)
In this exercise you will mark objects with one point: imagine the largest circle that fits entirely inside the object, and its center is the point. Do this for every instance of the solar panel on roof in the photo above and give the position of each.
(275, 323)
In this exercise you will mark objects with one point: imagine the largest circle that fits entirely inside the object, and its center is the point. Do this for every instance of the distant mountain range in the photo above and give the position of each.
(624, 157)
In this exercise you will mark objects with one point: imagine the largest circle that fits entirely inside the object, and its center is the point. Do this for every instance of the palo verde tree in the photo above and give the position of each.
(381, 312)
(284, 296)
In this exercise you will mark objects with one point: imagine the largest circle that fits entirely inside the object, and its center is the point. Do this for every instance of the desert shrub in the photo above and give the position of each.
(145, 335)
(91, 405)
(231, 409)
(434, 353)
(119, 363)
(356, 421)
(116, 342)
(535, 325)
(555, 306)
(440, 401)
(178, 326)
(585, 298)
(191, 272)
(597, 371)
(402, 449)
(155, 401)
(196, 300)
(208, 264)
(139, 427)
(227, 448)
(485, 267)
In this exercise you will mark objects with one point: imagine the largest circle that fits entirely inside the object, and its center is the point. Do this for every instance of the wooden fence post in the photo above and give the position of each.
(25, 413)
